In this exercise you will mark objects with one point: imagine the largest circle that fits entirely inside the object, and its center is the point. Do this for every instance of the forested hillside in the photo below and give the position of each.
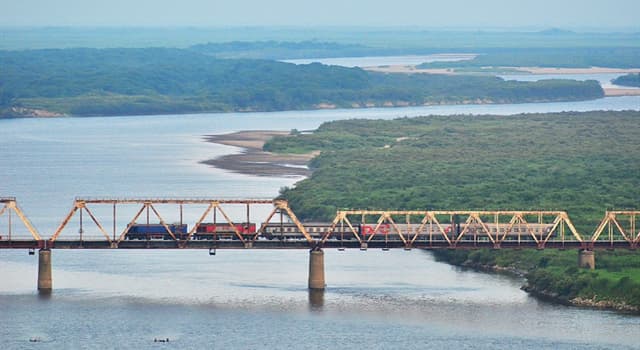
(155, 81)
(618, 57)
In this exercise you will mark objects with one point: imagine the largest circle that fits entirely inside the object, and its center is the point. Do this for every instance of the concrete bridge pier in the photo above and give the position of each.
(45, 282)
(316, 269)
(586, 259)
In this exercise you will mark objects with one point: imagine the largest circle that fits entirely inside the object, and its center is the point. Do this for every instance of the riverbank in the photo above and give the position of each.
(554, 276)
(411, 69)
(389, 168)
(252, 160)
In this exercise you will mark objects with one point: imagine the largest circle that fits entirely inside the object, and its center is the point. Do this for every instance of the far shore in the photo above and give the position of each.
(252, 160)
(412, 69)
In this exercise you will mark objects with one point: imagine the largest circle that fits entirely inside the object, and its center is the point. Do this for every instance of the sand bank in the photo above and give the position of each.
(253, 160)
(621, 92)
(409, 69)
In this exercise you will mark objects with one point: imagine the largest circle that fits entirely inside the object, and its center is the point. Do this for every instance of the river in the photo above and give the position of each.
(248, 299)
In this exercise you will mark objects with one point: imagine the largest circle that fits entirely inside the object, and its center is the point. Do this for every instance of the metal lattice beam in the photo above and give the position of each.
(11, 205)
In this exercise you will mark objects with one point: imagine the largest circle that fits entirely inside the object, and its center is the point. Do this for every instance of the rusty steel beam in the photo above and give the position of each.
(611, 222)
(148, 204)
(514, 219)
(450, 212)
(11, 205)
(160, 200)
(284, 205)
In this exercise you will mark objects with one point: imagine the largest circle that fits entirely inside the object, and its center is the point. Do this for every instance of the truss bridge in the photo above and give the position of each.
(211, 223)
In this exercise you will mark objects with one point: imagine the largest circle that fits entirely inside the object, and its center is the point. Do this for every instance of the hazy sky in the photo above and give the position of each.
(425, 13)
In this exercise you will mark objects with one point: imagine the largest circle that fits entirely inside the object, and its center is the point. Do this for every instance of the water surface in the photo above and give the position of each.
(246, 298)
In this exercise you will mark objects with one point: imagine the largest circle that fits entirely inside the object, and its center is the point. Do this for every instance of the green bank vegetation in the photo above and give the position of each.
(616, 57)
(632, 80)
(615, 283)
(580, 162)
(87, 82)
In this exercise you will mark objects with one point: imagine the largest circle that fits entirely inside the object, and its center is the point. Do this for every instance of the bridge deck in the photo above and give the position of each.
(300, 244)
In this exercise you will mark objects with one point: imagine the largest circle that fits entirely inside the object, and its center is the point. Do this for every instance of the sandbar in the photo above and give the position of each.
(252, 160)
(412, 69)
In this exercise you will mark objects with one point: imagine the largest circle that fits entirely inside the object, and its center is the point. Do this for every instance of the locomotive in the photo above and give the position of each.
(156, 231)
(209, 230)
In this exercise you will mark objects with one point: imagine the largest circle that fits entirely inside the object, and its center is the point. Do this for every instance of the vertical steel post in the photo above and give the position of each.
(248, 216)
(10, 226)
(114, 221)
(81, 209)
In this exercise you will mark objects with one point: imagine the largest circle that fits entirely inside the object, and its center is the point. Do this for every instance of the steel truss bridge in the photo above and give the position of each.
(97, 223)
(100, 225)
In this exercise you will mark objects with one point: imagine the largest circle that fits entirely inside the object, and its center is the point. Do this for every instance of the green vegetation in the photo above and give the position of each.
(632, 80)
(580, 162)
(149, 81)
(619, 57)
(555, 273)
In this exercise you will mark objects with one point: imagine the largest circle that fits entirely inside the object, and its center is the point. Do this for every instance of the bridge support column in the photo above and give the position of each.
(45, 282)
(586, 259)
(316, 269)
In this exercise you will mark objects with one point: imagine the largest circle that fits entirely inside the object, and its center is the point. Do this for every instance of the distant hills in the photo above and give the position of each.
(85, 82)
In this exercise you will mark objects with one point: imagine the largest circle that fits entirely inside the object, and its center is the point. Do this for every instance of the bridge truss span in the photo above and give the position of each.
(455, 229)
(617, 229)
(8, 208)
(193, 223)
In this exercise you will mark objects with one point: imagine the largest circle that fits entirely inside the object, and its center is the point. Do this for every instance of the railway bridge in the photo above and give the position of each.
(211, 223)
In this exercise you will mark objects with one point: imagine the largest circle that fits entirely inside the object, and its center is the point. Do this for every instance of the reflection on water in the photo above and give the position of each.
(316, 299)
(160, 294)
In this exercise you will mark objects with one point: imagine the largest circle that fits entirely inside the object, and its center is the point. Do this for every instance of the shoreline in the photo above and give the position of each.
(413, 69)
(324, 106)
(252, 160)
(543, 294)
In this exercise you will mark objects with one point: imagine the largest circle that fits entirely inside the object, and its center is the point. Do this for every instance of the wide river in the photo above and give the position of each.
(247, 299)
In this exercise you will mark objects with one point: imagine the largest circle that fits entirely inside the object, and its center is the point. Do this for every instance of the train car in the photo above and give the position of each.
(390, 232)
(156, 231)
(316, 230)
(452, 231)
(210, 231)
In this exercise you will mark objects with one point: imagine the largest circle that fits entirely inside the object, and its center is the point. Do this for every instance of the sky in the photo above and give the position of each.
(566, 14)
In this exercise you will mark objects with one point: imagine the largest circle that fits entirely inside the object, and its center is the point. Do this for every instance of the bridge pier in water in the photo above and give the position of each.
(45, 282)
(316, 269)
(586, 259)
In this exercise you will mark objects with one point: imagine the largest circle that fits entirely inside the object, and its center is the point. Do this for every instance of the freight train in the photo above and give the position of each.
(317, 230)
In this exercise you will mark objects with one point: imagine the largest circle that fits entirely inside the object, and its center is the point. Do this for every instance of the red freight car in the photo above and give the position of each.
(208, 230)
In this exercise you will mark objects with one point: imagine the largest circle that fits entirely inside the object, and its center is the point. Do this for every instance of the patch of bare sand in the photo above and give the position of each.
(590, 70)
(409, 69)
(621, 92)
(254, 161)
